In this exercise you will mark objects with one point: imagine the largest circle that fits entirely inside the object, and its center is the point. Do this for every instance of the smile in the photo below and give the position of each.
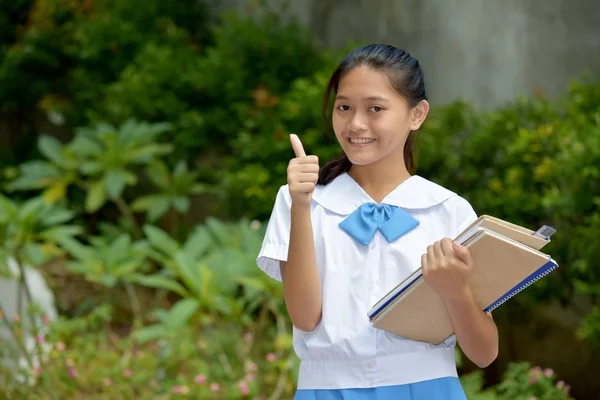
(360, 140)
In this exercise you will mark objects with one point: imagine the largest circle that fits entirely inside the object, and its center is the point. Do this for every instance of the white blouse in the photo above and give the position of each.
(345, 351)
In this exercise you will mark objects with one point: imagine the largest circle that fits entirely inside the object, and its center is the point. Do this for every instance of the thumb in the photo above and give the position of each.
(462, 252)
(297, 145)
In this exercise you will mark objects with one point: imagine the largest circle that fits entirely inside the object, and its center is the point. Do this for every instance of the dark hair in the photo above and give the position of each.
(405, 75)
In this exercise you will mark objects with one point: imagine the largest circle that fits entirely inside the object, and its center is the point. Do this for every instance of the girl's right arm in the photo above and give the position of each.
(301, 280)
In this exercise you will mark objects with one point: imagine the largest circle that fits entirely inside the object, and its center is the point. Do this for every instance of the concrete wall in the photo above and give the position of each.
(487, 52)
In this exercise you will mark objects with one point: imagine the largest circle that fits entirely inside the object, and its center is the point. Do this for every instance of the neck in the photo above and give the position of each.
(379, 179)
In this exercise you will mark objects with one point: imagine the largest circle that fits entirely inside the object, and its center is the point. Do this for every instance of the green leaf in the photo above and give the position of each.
(162, 282)
(253, 283)
(158, 207)
(181, 204)
(182, 311)
(60, 233)
(154, 205)
(34, 255)
(197, 243)
(85, 147)
(115, 182)
(161, 240)
(189, 270)
(51, 148)
(91, 168)
(56, 217)
(32, 208)
(8, 208)
(159, 175)
(151, 333)
(96, 196)
(55, 192)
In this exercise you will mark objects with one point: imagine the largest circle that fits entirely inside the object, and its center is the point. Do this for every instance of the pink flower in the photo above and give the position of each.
(271, 357)
(536, 370)
(39, 338)
(200, 379)
(560, 384)
(247, 337)
(250, 377)
(215, 387)
(60, 346)
(181, 389)
(548, 372)
(72, 373)
(37, 369)
(46, 320)
(567, 389)
(252, 367)
(533, 398)
(533, 379)
(127, 373)
(69, 363)
(107, 382)
(16, 318)
(243, 386)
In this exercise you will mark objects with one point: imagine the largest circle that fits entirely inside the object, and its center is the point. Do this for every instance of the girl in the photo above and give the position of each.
(341, 237)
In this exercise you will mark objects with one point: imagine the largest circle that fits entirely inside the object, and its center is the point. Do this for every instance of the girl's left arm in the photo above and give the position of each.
(476, 331)
(446, 268)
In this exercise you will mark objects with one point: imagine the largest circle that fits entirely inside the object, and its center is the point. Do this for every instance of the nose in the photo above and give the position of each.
(357, 123)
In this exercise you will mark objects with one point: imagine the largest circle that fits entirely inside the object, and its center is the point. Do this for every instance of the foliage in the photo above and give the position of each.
(87, 359)
(103, 161)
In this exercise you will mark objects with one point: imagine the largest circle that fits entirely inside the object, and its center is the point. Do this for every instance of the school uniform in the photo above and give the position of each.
(363, 250)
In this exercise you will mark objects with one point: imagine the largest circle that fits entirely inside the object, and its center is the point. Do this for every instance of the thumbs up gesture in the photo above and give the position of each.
(302, 174)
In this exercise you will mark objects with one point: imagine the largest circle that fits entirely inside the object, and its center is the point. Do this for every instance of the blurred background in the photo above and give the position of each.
(142, 144)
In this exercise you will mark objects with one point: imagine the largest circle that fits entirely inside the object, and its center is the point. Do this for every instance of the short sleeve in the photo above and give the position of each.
(276, 241)
(465, 215)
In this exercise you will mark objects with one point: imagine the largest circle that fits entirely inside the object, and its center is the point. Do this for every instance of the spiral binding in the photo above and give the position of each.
(522, 287)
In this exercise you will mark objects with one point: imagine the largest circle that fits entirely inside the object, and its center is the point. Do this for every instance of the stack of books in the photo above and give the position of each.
(506, 260)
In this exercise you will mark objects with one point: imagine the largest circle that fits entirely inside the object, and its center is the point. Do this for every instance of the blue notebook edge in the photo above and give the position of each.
(544, 270)
(395, 296)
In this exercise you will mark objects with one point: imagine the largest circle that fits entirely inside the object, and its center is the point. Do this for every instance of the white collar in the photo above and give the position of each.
(343, 195)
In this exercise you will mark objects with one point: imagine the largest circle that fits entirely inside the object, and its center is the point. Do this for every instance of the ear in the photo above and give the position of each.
(418, 114)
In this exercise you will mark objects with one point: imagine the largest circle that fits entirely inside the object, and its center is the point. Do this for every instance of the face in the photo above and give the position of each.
(371, 120)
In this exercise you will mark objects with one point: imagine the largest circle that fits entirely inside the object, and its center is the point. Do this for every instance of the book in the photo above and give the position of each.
(507, 259)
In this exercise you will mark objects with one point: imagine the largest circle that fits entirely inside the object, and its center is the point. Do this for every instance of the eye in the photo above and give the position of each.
(376, 109)
(343, 107)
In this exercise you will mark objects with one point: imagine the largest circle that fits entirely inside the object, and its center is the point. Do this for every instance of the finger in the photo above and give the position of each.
(312, 168)
(447, 248)
(430, 255)
(439, 253)
(306, 177)
(424, 265)
(462, 252)
(312, 160)
(304, 187)
(297, 145)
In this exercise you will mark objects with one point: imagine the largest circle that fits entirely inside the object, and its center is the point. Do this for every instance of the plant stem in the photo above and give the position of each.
(20, 345)
(135, 304)
(128, 214)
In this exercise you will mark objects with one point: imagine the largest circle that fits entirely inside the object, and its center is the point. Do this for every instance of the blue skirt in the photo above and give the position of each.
(435, 389)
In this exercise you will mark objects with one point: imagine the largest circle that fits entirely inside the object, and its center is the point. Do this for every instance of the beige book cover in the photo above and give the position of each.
(502, 268)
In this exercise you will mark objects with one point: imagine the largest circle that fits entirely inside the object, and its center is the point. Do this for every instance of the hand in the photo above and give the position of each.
(447, 268)
(302, 174)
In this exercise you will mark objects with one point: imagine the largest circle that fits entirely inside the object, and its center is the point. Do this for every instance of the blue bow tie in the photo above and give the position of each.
(392, 222)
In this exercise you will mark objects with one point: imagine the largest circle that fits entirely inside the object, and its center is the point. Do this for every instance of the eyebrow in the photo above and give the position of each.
(372, 98)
